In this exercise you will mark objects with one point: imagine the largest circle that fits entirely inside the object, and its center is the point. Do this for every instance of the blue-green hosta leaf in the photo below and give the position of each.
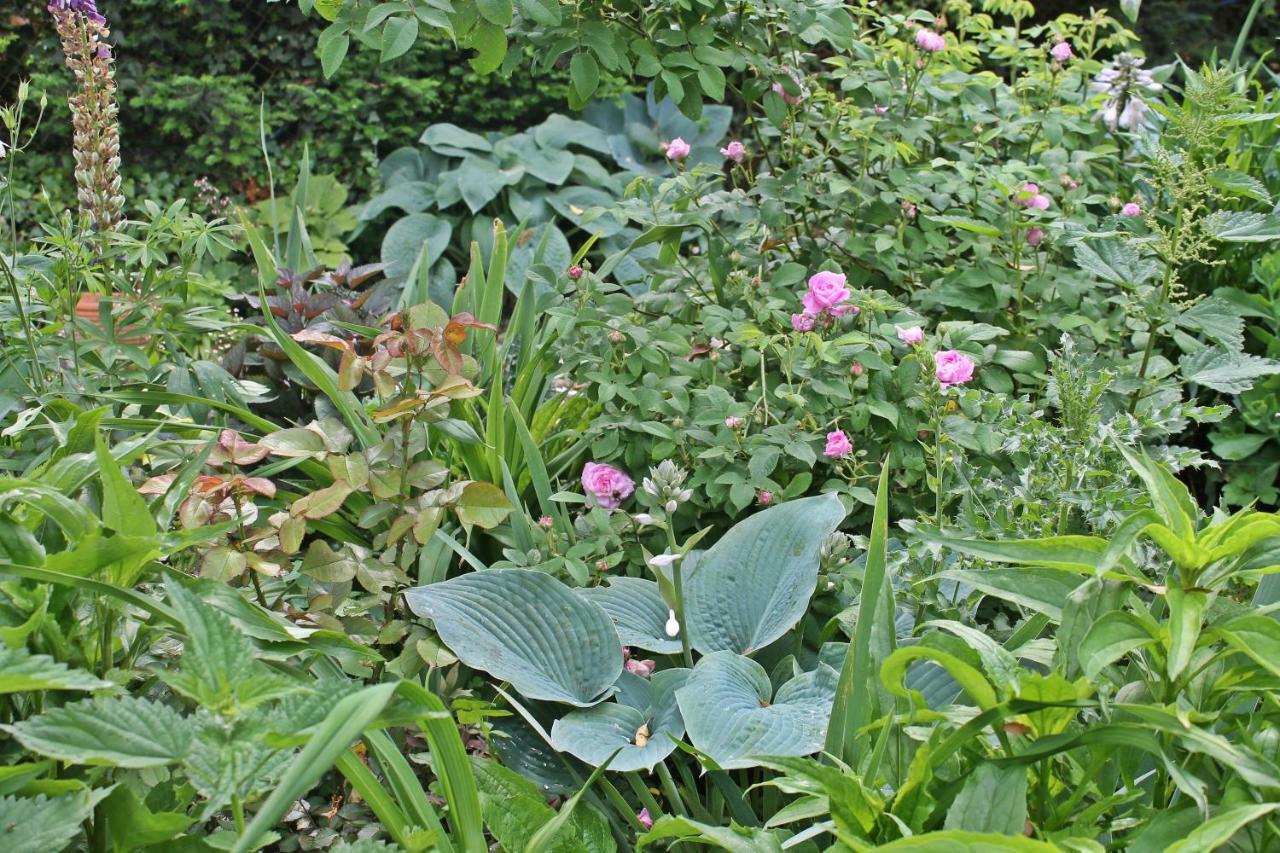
(127, 732)
(1225, 371)
(21, 672)
(753, 585)
(527, 628)
(404, 241)
(732, 715)
(593, 734)
(44, 824)
(409, 196)
(453, 141)
(638, 613)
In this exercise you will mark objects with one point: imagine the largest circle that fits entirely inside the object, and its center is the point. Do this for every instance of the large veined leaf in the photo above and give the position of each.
(1034, 588)
(404, 241)
(43, 824)
(993, 799)
(514, 810)
(1225, 371)
(21, 672)
(594, 734)
(638, 613)
(126, 732)
(527, 628)
(1237, 226)
(1115, 261)
(733, 716)
(753, 585)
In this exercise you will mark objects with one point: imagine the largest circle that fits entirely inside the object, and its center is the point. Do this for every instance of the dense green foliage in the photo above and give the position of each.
(858, 435)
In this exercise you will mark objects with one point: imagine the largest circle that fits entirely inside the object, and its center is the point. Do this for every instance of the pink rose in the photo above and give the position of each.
(606, 484)
(912, 336)
(929, 41)
(645, 820)
(952, 368)
(677, 149)
(642, 668)
(1061, 51)
(575, 272)
(1030, 196)
(734, 422)
(1131, 209)
(856, 369)
(1035, 236)
(765, 497)
(838, 445)
(735, 151)
(826, 291)
(803, 322)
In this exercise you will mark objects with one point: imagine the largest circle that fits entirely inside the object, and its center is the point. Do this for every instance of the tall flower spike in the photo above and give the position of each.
(96, 128)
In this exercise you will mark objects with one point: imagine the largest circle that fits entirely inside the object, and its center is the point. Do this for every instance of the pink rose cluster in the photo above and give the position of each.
(608, 486)
(1031, 197)
(952, 368)
(826, 299)
(929, 41)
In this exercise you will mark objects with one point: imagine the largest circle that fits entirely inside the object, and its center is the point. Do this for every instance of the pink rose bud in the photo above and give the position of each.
(734, 422)
(602, 565)
(546, 521)
(677, 149)
(1035, 236)
(779, 89)
(1061, 51)
(616, 336)
(575, 272)
(908, 209)
(735, 151)
(1131, 209)
(838, 445)
(1068, 182)
(1031, 197)
(608, 486)
(765, 498)
(645, 820)
(802, 322)
(911, 336)
(1114, 201)
(881, 110)
(952, 368)
(856, 369)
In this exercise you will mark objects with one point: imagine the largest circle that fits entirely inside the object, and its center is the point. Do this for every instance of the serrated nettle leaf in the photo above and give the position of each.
(125, 732)
(1242, 227)
(43, 824)
(732, 714)
(638, 611)
(643, 722)
(22, 672)
(1224, 370)
(526, 627)
(1115, 261)
(753, 585)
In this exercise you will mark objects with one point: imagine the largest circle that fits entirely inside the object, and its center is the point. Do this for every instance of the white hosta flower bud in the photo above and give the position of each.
(643, 518)
(672, 627)
(661, 561)
(671, 506)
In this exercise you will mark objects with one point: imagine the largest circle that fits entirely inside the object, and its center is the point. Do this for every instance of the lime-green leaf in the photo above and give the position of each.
(1113, 636)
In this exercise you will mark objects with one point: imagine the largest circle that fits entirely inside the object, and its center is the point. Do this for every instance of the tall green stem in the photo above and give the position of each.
(1165, 286)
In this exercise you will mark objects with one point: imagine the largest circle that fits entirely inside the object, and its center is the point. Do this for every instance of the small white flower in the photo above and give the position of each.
(643, 518)
(672, 627)
(661, 561)
(672, 506)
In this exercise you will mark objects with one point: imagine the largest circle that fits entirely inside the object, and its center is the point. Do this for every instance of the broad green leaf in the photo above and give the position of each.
(595, 734)
(1219, 829)
(956, 841)
(1131, 9)
(1256, 636)
(1237, 183)
(332, 46)
(732, 838)
(1071, 553)
(965, 223)
(526, 627)
(1225, 371)
(490, 43)
(753, 585)
(22, 672)
(853, 806)
(1186, 612)
(398, 35)
(1169, 495)
(857, 699)
(514, 811)
(1043, 591)
(483, 505)
(495, 11)
(972, 681)
(1114, 635)
(134, 826)
(42, 824)
(638, 612)
(584, 71)
(126, 732)
(1115, 261)
(733, 716)
(993, 799)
